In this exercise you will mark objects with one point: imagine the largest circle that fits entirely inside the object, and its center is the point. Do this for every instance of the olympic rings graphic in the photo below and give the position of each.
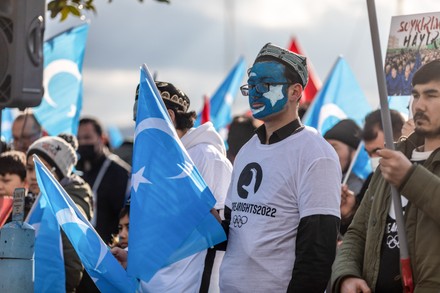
(392, 241)
(239, 221)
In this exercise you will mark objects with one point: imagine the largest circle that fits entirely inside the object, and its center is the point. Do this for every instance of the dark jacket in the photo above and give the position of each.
(111, 192)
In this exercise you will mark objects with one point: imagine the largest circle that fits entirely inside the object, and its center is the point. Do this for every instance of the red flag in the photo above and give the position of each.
(5, 208)
(314, 84)
(206, 110)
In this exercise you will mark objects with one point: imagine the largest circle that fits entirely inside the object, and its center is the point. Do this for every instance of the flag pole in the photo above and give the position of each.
(353, 161)
(386, 124)
(1, 145)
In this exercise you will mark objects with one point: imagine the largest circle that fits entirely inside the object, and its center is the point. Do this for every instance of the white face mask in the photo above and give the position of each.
(374, 163)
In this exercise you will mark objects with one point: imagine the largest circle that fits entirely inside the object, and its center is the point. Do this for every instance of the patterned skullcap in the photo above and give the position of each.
(172, 96)
(294, 61)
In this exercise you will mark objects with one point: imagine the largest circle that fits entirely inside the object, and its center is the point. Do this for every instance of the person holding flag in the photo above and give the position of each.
(207, 150)
(368, 260)
(59, 156)
(284, 195)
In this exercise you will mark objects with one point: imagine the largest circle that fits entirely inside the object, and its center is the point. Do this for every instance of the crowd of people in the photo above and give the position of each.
(296, 218)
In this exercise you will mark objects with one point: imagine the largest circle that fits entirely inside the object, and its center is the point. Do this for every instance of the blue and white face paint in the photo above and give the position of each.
(274, 100)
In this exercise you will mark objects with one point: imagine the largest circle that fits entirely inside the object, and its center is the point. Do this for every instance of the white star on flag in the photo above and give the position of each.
(137, 178)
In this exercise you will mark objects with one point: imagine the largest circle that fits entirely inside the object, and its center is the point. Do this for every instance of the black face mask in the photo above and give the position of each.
(87, 152)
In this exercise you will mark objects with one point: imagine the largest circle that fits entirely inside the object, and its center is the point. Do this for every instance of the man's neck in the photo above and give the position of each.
(181, 132)
(431, 144)
(276, 123)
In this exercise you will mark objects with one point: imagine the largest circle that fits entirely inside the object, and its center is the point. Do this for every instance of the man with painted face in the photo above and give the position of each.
(284, 195)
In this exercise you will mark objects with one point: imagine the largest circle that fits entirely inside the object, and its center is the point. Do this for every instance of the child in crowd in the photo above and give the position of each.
(12, 176)
(121, 240)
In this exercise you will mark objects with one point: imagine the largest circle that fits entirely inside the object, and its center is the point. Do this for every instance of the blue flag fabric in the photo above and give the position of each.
(7, 119)
(61, 105)
(170, 205)
(103, 268)
(221, 101)
(340, 98)
(49, 262)
(401, 104)
(115, 136)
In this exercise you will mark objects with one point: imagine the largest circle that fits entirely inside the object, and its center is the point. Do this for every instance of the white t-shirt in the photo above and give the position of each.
(273, 187)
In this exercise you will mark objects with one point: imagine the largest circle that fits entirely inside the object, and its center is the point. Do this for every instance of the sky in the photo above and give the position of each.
(194, 44)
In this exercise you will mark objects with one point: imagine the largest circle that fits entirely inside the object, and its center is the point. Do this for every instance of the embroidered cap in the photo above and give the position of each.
(293, 60)
(172, 96)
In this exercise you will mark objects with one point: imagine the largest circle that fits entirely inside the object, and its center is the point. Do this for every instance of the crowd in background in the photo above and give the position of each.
(285, 193)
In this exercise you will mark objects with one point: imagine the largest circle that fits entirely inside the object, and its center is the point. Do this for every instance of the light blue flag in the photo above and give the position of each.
(61, 105)
(115, 136)
(103, 268)
(49, 261)
(170, 205)
(7, 119)
(221, 101)
(340, 98)
(401, 104)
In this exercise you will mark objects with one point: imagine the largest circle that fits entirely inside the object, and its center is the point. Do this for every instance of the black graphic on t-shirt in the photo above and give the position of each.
(249, 180)
(389, 279)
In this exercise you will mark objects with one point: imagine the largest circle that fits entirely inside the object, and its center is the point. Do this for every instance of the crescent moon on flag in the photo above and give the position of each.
(187, 169)
(162, 125)
(329, 110)
(72, 111)
(154, 123)
(66, 216)
(52, 69)
(102, 254)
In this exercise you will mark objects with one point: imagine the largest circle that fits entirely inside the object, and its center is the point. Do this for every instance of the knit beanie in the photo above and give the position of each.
(57, 152)
(346, 131)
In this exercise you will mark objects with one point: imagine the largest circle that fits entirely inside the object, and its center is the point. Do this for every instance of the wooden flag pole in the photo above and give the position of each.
(386, 124)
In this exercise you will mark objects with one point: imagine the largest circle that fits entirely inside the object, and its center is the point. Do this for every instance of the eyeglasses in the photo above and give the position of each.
(259, 87)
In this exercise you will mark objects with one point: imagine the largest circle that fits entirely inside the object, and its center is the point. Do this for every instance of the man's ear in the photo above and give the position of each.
(172, 115)
(295, 92)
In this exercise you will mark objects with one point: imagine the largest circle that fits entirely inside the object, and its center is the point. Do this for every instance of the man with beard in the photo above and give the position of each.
(368, 260)
(108, 176)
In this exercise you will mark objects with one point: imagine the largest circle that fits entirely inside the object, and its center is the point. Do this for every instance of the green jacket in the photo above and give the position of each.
(360, 252)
